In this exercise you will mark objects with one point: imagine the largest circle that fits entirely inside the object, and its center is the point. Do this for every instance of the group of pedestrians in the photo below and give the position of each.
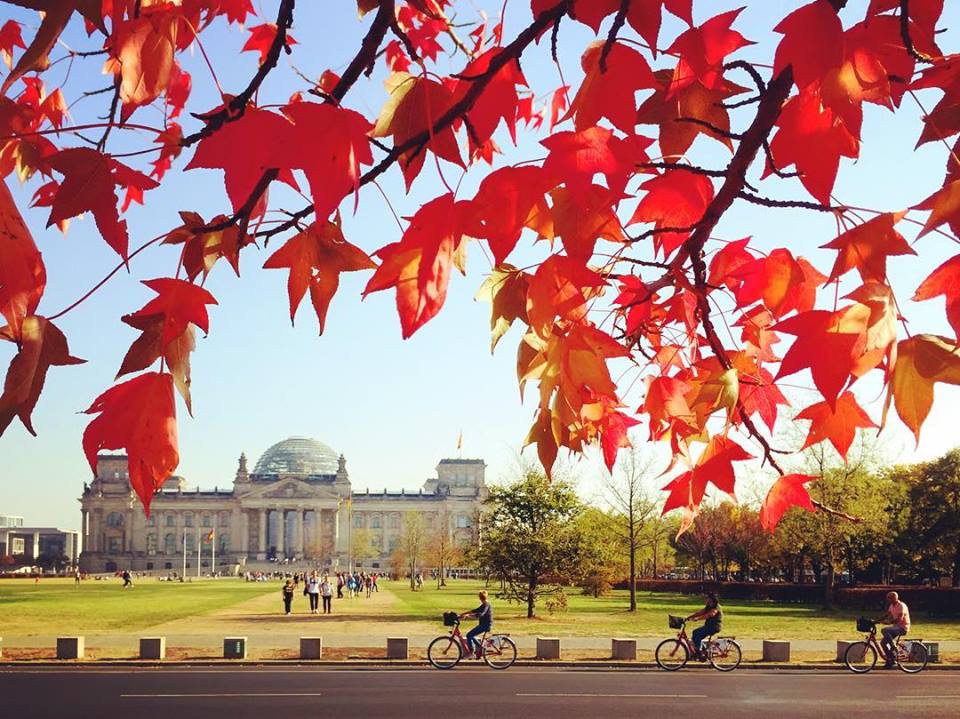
(317, 588)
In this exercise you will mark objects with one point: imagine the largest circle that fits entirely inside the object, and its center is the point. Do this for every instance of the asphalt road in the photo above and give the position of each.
(519, 693)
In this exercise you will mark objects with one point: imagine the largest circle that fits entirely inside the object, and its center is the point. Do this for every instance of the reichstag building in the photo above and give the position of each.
(296, 507)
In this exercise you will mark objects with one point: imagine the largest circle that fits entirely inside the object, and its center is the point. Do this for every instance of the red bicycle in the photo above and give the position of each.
(497, 650)
(861, 657)
(723, 653)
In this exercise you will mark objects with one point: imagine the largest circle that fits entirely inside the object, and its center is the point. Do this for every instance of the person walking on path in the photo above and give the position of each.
(76, 577)
(340, 584)
(127, 581)
(287, 596)
(313, 592)
(326, 591)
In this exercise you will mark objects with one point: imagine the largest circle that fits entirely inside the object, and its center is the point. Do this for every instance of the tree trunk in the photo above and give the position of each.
(531, 596)
(633, 575)
(830, 578)
(956, 567)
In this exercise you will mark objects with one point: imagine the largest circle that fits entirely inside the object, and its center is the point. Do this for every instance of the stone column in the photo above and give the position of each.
(341, 531)
(36, 545)
(300, 547)
(282, 533)
(84, 528)
(128, 530)
(244, 533)
(262, 539)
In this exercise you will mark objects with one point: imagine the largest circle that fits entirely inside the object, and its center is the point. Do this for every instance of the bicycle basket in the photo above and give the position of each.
(864, 625)
(676, 622)
(450, 619)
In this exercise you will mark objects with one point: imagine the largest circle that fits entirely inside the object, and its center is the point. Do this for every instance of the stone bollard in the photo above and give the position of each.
(397, 648)
(311, 647)
(776, 651)
(235, 648)
(548, 648)
(842, 650)
(1, 647)
(153, 647)
(70, 648)
(623, 648)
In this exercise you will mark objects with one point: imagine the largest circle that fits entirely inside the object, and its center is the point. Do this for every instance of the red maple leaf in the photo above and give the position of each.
(180, 303)
(715, 465)
(830, 354)
(703, 51)
(945, 280)
(23, 276)
(783, 283)
(262, 37)
(837, 424)
(315, 258)
(419, 265)
(10, 38)
(266, 139)
(41, 346)
(138, 416)
(89, 181)
(867, 246)
(804, 123)
(331, 144)
(812, 43)
(610, 92)
(676, 199)
(788, 491)
(944, 205)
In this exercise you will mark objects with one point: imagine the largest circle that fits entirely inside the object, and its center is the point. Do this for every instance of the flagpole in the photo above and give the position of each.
(213, 552)
(199, 550)
(183, 576)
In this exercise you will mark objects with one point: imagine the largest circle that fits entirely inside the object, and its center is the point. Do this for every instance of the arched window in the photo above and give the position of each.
(463, 521)
(358, 520)
(188, 519)
(151, 544)
(375, 521)
(114, 519)
(224, 542)
(394, 521)
(171, 519)
(205, 520)
(191, 543)
(152, 520)
(224, 519)
(170, 544)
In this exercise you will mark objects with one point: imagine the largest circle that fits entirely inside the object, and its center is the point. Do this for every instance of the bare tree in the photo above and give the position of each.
(442, 548)
(633, 504)
(413, 543)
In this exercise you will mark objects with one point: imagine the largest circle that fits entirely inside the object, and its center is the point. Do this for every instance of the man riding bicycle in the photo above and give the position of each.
(484, 615)
(898, 617)
(713, 615)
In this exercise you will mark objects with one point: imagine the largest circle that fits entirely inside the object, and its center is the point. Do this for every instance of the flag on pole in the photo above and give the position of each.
(460, 440)
(209, 537)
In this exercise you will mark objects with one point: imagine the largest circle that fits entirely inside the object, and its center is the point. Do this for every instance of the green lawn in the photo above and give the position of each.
(608, 616)
(57, 606)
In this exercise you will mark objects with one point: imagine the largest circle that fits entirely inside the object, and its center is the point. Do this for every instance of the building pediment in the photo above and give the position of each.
(287, 489)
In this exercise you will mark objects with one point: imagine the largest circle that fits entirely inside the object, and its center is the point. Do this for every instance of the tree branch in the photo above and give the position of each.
(234, 109)
(905, 34)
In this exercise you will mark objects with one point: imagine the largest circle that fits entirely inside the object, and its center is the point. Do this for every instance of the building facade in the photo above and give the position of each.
(296, 505)
(47, 546)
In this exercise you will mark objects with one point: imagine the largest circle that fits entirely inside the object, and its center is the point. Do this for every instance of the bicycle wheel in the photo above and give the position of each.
(499, 652)
(913, 660)
(724, 655)
(444, 652)
(671, 655)
(860, 657)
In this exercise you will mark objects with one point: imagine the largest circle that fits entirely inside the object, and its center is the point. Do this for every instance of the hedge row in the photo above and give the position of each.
(944, 601)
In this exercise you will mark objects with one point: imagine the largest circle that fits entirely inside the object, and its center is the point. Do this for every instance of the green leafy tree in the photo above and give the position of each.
(602, 561)
(530, 538)
(934, 525)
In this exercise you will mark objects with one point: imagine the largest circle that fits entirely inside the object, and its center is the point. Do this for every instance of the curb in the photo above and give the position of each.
(413, 664)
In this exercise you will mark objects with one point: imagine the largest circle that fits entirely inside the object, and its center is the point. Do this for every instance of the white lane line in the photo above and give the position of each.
(929, 696)
(638, 696)
(224, 694)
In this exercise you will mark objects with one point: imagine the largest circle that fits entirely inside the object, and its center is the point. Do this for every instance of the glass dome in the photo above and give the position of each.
(297, 455)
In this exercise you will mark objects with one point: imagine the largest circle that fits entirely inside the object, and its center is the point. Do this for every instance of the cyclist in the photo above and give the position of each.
(713, 615)
(898, 617)
(484, 615)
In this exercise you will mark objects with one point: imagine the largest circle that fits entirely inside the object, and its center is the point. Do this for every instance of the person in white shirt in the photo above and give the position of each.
(313, 592)
(326, 591)
(898, 619)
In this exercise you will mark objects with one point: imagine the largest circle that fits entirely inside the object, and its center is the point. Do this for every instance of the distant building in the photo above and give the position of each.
(297, 505)
(34, 545)
(10, 521)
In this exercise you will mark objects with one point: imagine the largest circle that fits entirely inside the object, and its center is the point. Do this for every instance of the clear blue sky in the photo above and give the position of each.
(393, 408)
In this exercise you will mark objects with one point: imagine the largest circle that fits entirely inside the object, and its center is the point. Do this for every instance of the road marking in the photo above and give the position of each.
(929, 696)
(225, 694)
(637, 696)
